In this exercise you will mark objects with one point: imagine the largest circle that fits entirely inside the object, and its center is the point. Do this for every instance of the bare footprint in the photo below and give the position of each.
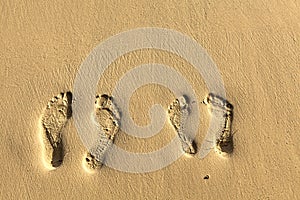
(107, 116)
(224, 144)
(224, 139)
(54, 118)
(178, 112)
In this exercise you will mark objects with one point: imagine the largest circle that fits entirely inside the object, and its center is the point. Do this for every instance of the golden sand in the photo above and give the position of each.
(256, 46)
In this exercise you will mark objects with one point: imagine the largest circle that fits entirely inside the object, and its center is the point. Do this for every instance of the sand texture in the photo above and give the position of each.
(256, 47)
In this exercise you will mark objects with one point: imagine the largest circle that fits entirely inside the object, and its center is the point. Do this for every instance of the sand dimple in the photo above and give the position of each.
(178, 112)
(107, 116)
(54, 118)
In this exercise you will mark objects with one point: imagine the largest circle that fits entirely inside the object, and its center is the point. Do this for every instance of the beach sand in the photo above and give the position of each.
(256, 47)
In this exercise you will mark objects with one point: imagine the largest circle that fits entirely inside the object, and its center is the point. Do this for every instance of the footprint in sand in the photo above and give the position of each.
(54, 119)
(178, 112)
(107, 116)
(224, 138)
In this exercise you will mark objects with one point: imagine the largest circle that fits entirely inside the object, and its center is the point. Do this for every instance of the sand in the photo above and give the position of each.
(256, 46)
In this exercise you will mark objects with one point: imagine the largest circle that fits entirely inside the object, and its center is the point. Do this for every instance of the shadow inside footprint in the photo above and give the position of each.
(69, 97)
(57, 155)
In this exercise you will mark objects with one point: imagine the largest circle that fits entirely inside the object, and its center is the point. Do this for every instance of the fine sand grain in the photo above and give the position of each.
(255, 45)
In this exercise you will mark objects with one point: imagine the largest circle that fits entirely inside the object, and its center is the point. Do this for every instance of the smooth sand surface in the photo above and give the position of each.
(256, 46)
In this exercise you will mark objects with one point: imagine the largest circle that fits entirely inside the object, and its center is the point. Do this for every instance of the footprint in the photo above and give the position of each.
(219, 106)
(54, 119)
(107, 116)
(224, 144)
(178, 112)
